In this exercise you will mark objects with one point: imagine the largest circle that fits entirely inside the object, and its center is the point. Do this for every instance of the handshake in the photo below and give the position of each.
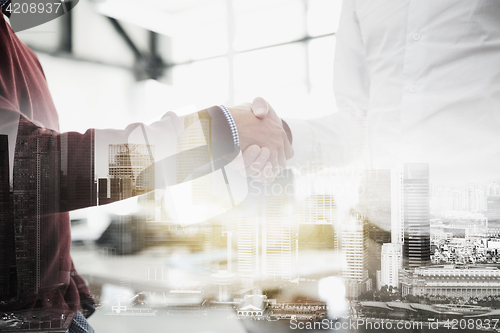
(265, 143)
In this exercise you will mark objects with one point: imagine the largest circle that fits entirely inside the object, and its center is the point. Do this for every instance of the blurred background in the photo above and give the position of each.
(112, 62)
(135, 59)
(290, 253)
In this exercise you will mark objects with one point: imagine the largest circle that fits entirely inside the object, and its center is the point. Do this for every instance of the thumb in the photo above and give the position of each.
(260, 107)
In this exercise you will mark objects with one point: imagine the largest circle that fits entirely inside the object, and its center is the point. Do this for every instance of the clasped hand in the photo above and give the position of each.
(263, 140)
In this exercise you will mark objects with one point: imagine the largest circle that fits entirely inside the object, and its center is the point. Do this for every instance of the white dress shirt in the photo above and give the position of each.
(423, 76)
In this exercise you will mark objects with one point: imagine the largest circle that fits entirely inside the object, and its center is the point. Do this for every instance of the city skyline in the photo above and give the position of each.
(399, 217)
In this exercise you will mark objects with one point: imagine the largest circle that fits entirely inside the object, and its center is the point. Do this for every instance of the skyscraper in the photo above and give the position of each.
(36, 198)
(391, 254)
(318, 228)
(391, 264)
(196, 134)
(78, 185)
(132, 172)
(493, 212)
(375, 204)
(354, 238)
(279, 239)
(397, 206)
(318, 209)
(493, 189)
(248, 242)
(7, 248)
(416, 247)
(103, 194)
(473, 199)
(375, 199)
(132, 161)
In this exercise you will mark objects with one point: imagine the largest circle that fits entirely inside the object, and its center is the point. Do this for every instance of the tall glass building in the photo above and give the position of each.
(416, 247)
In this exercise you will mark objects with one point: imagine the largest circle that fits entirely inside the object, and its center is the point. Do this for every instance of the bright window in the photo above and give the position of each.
(230, 51)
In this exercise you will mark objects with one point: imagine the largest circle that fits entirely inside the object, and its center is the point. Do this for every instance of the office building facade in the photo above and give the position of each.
(416, 215)
(390, 264)
(354, 249)
(452, 281)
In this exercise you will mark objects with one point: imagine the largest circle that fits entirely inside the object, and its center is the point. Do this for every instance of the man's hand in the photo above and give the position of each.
(258, 166)
(261, 164)
(262, 109)
(263, 132)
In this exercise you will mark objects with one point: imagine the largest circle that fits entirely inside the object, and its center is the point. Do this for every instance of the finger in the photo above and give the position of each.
(250, 154)
(273, 149)
(260, 107)
(259, 163)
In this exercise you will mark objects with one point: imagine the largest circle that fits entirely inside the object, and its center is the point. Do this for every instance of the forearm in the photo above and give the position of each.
(75, 170)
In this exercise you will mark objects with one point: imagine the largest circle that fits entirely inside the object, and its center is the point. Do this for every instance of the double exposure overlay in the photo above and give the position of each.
(144, 185)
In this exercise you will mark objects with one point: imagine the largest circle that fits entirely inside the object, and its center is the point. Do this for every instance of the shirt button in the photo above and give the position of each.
(413, 89)
(416, 36)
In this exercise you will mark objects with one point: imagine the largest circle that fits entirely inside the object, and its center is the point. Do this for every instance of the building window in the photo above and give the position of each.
(234, 50)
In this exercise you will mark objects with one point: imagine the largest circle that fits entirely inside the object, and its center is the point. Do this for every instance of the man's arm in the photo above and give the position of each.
(71, 166)
(339, 138)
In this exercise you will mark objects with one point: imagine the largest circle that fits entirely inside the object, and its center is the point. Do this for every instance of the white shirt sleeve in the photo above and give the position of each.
(339, 138)
(351, 78)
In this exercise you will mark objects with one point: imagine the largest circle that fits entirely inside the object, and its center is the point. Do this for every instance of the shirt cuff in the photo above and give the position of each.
(232, 126)
(288, 131)
(224, 139)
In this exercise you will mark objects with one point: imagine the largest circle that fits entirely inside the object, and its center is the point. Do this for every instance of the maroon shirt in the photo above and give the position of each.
(24, 91)
(51, 175)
